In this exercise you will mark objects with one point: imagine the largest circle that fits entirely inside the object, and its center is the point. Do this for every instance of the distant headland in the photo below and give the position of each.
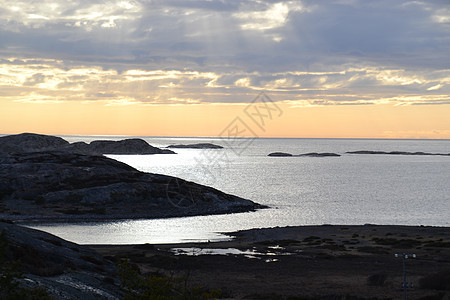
(197, 146)
(32, 142)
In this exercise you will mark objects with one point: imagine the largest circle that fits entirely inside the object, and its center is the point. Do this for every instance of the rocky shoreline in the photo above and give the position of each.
(52, 185)
(299, 262)
(309, 262)
(42, 263)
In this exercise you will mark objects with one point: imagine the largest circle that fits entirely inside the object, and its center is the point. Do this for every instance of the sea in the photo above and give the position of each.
(352, 189)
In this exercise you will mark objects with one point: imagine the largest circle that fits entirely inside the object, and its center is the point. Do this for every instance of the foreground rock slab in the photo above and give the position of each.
(64, 269)
(66, 186)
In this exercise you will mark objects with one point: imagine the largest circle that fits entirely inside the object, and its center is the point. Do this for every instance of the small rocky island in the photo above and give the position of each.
(312, 154)
(397, 153)
(68, 186)
(197, 146)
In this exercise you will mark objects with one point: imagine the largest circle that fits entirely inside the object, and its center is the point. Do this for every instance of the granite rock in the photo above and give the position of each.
(57, 185)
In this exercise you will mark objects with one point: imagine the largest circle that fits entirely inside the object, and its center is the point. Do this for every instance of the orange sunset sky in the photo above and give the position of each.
(335, 69)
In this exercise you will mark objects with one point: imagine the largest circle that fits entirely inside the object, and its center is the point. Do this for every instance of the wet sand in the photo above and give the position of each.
(317, 262)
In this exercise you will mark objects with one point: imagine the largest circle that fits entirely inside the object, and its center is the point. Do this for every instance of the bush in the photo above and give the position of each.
(136, 286)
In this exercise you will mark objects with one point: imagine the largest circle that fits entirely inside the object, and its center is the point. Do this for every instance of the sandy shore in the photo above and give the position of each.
(316, 262)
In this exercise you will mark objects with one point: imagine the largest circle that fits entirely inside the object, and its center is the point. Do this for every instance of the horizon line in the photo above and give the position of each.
(219, 137)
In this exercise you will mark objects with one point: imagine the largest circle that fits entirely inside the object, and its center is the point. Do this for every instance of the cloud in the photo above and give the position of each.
(35, 79)
(302, 52)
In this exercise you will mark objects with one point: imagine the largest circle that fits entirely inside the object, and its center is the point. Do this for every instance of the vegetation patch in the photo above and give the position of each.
(397, 243)
(373, 250)
(281, 243)
(332, 247)
(438, 244)
(156, 286)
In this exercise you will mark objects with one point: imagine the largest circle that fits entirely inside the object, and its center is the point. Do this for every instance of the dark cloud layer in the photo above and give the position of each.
(298, 50)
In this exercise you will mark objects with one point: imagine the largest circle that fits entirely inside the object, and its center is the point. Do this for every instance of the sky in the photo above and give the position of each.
(326, 69)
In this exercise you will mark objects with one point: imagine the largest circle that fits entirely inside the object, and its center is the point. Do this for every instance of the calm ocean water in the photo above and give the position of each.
(351, 189)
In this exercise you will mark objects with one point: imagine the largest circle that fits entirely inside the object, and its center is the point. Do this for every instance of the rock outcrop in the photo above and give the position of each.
(312, 154)
(57, 185)
(197, 146)
(280, 154)
(324, 154)
(128, 146)
(64, 269)
(31, 142)
(396, 153)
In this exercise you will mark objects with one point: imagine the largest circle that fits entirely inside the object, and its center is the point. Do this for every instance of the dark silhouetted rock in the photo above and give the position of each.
(396, 153)
(66, 270)
(280, 154)
(312, 154)
(315, 154)
(63, 185)
(30, 142)
(197, 146)
(127, 146)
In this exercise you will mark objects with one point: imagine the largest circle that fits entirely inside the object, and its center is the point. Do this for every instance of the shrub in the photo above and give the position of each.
(154, 286)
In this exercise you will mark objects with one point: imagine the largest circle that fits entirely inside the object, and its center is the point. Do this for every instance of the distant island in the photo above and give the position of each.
(396, 153)
(312, 154)
(326, 154)
(197, 146)
(58, 185)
